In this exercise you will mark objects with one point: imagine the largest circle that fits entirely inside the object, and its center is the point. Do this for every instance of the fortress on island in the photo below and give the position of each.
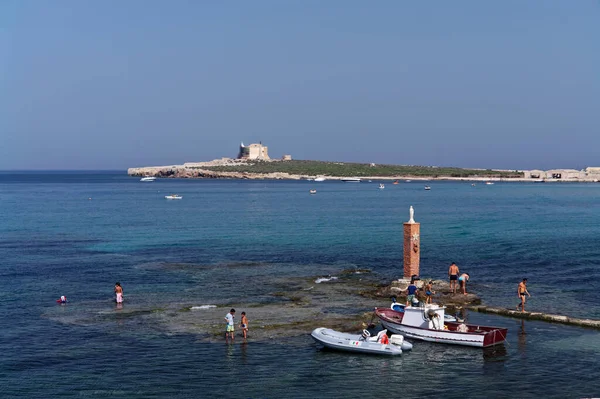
(254, 151)
(250, 154)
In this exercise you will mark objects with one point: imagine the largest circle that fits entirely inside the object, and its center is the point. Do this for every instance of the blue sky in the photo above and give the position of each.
(116, 84)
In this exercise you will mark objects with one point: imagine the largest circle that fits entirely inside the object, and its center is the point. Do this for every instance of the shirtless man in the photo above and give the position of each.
(453, 274)
(521, 292)
(119, 292)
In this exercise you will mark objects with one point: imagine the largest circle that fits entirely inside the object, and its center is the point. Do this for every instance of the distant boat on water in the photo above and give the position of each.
(148, 178)
(173, 197)
(351, 179)
(427, 188)
(395, 182)
(489, 182)
(381, 186)
(320, 179)
(313, 191)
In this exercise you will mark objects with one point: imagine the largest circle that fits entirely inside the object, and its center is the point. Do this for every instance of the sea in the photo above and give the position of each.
(231, 242)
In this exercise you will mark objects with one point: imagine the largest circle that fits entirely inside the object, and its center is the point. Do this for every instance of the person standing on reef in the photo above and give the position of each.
(244, 325)
(429, 291)
(410, 293)
(463, 282)
(521, 292)
(453, 274)
(119, 292)
(230, 325)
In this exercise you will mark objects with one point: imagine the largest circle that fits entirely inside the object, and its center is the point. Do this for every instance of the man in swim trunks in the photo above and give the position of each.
(119, 292)
(521, 292)
(453, 274)
(230, 325)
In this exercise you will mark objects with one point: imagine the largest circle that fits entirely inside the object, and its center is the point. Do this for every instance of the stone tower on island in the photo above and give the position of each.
(412, 247)
(254, 151)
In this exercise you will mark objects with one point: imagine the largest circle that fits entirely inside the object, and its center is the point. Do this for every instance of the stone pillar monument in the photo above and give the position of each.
(412, 247)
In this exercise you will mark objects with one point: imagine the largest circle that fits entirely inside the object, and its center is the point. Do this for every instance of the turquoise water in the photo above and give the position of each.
(226, 242)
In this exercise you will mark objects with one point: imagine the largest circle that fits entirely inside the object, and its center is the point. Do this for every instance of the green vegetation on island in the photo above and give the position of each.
(348, 169)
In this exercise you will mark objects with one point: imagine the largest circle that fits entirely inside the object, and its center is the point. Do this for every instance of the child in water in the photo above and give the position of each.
(244, 325)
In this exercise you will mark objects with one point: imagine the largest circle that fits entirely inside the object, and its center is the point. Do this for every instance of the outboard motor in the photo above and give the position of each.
(365, 335)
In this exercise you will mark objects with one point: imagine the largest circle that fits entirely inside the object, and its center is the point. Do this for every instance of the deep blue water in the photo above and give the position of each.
(75, 234)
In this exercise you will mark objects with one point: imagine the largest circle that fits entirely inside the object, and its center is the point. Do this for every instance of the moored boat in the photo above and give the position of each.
(148, 178)
(313, 191)
(351, 179)
(427, 188)
(427, 323)
(363, 343)
(320, 179)
(173, 197)
(381, 186)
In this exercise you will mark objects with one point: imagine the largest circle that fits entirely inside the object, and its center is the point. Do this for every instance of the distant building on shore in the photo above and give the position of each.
(588, 174)
(254, 151)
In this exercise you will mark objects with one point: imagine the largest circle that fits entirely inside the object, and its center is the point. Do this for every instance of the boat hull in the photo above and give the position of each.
(476, 336)
(353, 343)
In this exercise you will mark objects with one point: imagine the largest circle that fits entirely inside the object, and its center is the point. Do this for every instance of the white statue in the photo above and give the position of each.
(412, 215)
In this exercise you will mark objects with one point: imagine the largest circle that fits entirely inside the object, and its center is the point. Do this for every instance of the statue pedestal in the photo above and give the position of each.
(412, 249)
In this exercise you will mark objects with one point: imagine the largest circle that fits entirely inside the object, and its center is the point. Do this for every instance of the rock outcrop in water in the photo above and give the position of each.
(195, 170)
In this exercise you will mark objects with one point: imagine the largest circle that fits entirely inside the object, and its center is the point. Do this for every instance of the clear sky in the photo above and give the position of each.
(511, 84)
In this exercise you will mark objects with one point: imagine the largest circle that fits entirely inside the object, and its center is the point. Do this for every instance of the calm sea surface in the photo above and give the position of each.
(75, 234)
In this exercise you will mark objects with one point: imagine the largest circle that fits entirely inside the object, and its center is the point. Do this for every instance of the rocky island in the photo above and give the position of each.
(253, 162)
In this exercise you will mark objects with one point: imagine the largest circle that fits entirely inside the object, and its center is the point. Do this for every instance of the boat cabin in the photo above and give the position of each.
(429, 316)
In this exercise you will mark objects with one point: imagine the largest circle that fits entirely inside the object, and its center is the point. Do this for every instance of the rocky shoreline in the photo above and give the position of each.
(199, 170)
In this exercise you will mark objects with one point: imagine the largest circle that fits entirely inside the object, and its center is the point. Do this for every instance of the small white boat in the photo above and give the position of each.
(148, 178)
(427, 188)
(362, 343)
(173, 197)
(489, 182)
(408, 181)
(351, 179)
(473, 184)
(313, 191)
(428, 323)
(320, 179)
(381, 186)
